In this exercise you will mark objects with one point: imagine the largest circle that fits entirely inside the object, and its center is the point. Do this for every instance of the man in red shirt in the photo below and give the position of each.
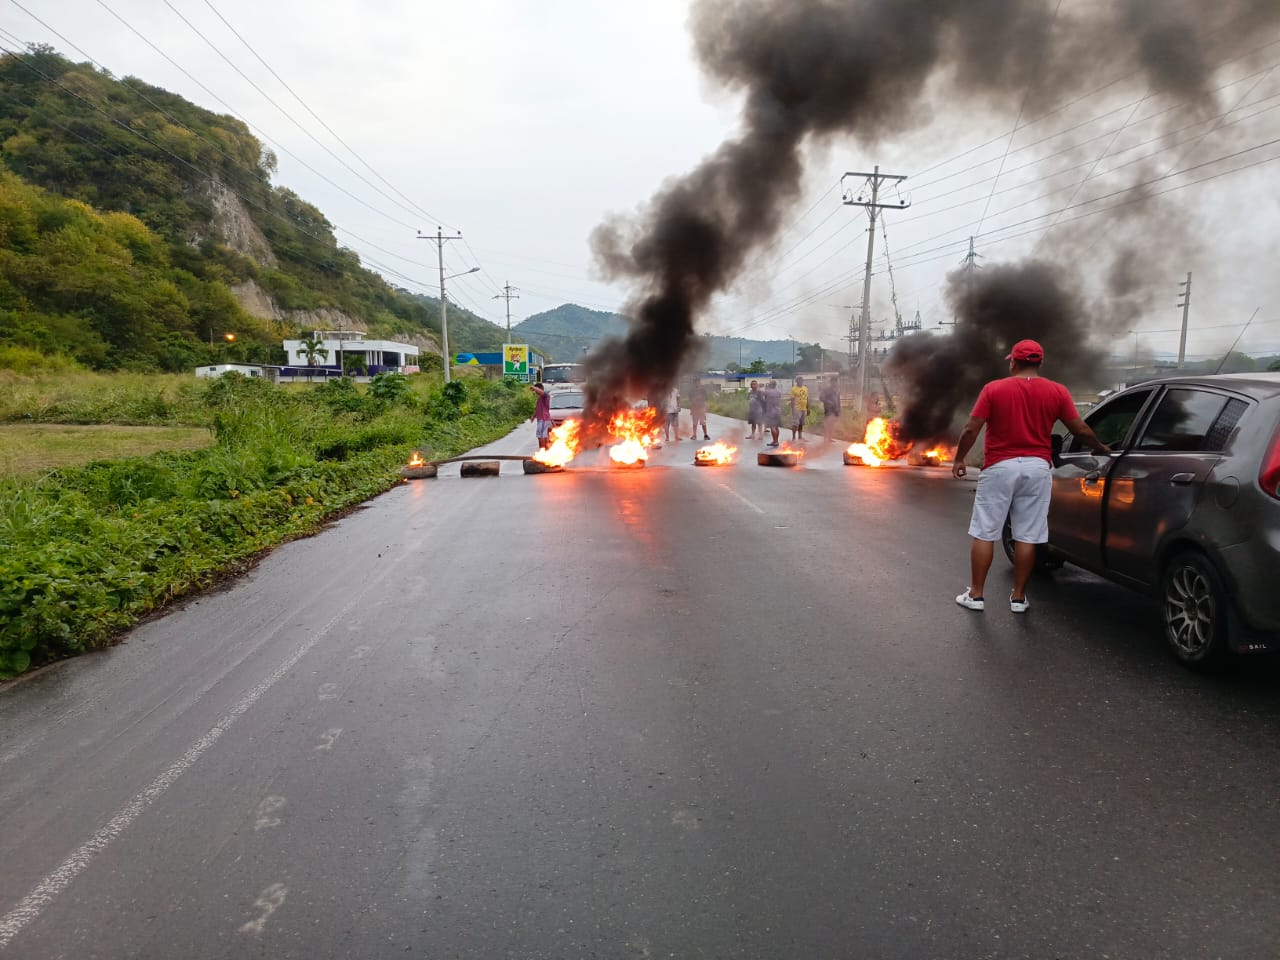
(1017, 479)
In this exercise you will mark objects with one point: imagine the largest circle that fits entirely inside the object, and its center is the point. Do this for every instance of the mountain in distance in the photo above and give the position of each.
(570, 330)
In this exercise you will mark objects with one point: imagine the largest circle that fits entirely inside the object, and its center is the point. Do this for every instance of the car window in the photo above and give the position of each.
(1112, 421)
(1182, 420)
(566, 399)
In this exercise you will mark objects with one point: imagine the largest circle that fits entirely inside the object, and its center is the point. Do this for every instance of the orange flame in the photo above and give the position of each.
(563, 447)
(636, 432)
(879, 443)
(794, 451)
(416, 460)
(940, 454)
(717, 452)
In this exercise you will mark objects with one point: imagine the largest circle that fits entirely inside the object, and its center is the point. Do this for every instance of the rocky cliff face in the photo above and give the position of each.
(258, 303)
(233, 226)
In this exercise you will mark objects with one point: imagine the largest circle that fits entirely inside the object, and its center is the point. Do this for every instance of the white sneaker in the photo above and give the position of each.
(973, 603)
(1019, 606)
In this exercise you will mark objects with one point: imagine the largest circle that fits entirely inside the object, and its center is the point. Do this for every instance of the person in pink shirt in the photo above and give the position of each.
(1019, 412)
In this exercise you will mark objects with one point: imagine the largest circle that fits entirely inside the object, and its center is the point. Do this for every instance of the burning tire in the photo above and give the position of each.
(423, 471)
(777, 459)
(480, 468)
(851, 461)
(534, 466)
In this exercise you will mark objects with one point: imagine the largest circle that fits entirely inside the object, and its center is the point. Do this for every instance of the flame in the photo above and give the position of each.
(416, 460)
(563, 447)
(635, 432)
(940, 454)
(717, 452)
(794, 451)
(879, 443)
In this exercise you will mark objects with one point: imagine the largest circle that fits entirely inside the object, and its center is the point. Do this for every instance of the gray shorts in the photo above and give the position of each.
(544, 429)
(799, 417)
(1018, 489)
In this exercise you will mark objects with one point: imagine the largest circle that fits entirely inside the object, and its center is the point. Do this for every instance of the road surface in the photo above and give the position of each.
(673, 712)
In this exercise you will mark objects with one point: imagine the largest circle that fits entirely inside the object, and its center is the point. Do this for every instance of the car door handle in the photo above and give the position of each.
(1092, 477)
(1182, 479)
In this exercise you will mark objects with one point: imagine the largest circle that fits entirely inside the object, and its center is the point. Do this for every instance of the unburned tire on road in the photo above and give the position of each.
(776, 459)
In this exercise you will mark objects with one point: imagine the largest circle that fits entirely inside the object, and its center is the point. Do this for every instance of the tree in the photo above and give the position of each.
(313, 347)
(757, 366)
(810, 356)
(1274, 364)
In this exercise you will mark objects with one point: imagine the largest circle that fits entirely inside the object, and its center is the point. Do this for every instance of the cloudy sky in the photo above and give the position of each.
(525, 124)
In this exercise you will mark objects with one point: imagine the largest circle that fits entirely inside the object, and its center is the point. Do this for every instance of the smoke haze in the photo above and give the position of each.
(810, 70)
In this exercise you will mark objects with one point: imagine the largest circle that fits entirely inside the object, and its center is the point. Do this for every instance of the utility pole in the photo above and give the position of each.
(1186, 309)
(871, 206)
(440, 240)
(508, 294)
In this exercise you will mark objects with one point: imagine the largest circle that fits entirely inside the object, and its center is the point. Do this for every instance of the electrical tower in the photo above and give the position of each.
(874, 180)
(1186, 309)
(508, 294)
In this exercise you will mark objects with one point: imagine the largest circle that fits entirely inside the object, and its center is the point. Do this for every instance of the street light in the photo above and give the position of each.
(444, 320)
(229, 337)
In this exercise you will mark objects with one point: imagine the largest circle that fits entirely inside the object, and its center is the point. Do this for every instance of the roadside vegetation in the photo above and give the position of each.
(86, 550)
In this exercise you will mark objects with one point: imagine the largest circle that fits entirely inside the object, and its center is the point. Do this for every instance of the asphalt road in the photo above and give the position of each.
(673, 712)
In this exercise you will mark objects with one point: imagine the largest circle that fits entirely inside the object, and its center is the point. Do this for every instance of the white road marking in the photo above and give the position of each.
(269, 806)
(329, 738)
(47, 889)
(742, 498)
(269, 901)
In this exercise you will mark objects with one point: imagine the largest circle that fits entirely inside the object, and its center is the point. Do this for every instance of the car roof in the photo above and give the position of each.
(1258, 384)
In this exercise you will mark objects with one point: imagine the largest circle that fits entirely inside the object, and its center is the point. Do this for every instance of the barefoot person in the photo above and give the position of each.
(1017, 479)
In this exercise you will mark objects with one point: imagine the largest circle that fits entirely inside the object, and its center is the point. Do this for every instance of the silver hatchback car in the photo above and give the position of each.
(1187, 507)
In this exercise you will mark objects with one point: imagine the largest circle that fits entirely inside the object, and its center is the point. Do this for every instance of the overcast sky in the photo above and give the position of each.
(524, 124)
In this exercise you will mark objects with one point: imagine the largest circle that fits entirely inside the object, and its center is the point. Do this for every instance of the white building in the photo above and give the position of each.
(376, 356)
(218, 369)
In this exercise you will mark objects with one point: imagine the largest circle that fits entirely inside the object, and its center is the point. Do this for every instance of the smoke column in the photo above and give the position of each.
(813, 69)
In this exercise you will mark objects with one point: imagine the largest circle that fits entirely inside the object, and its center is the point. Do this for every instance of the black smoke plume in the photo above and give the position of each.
(814, 69)
(995, 308)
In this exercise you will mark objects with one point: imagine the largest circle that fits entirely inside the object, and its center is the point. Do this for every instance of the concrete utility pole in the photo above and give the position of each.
(508, 294)
(871, 206)
(1186, 308)
(440, 240)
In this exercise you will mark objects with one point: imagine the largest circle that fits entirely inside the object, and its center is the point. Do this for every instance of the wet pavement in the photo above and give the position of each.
(670, 712)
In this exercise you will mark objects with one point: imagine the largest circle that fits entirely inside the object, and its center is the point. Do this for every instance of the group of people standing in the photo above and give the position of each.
(764, 409)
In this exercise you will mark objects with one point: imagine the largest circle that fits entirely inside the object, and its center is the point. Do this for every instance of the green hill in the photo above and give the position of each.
(136, 227)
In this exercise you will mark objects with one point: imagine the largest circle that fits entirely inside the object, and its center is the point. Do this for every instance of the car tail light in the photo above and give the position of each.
(1269, 475)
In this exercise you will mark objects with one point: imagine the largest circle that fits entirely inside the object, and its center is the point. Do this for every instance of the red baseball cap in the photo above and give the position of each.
(1026, 350)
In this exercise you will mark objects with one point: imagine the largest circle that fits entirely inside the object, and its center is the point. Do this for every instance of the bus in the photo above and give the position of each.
(564, 376)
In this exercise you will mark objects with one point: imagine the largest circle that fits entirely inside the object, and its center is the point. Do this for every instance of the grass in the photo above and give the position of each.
(33, 448)
(226, 469)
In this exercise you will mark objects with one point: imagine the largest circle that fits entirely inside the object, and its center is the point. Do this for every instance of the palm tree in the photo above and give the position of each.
(311, 348)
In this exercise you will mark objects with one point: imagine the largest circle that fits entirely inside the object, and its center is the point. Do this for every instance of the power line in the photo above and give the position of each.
(425, 213)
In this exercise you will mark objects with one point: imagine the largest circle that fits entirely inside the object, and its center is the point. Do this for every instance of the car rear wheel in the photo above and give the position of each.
(1195, 610)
